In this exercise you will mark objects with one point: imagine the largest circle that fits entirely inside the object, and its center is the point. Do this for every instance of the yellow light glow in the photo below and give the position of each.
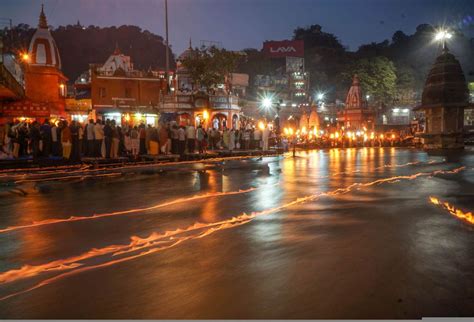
(127, 117)
(349, 134)
(381, 136)
(393, 136)
(61, 86)
(138, 115)
(372, 135)
(336, 135)
(261, 125)
(290, 130)
(25, 57)
(286, 131)
(365, 137)
(303, 130)
(331, 136)
(205, 115)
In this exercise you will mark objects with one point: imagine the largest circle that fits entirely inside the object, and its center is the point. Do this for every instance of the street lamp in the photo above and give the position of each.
(267, 103)
(442, 36)
(25, 57)
(320, 96)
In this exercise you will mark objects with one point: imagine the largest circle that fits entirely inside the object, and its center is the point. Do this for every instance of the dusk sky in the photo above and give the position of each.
(239, 24)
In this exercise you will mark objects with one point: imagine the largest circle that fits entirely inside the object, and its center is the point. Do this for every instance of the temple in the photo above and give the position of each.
(45, 84)
(356, 114)
(444, 98)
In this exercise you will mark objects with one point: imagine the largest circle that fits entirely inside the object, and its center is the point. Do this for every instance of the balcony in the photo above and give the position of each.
(188, 101)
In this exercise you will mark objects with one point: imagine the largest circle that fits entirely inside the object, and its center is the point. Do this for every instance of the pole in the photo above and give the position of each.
(167, 45)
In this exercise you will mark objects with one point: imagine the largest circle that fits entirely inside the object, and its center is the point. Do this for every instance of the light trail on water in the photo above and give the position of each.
(53, 221)
(456, 212)
(157, 242)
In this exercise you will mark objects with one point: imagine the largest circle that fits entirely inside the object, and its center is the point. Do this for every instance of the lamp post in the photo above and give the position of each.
(167, 58)
(267, 103)
(442, 36)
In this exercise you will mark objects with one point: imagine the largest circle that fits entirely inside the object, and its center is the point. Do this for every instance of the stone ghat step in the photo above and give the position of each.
(27, 165)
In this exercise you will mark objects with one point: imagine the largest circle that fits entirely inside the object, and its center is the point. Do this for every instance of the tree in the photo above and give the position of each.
(210, 66)
(377, 78)
(325, 58)
(406, 85)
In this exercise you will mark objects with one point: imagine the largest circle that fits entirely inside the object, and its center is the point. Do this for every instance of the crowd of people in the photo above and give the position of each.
(105, 139)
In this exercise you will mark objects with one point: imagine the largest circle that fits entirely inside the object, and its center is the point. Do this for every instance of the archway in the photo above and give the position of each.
(235, 121)
(219, 121)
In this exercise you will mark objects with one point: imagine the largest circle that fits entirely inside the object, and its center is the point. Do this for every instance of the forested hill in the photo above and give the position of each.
(79, 46)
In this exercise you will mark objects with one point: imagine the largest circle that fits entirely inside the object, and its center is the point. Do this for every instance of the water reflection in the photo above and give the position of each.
(303, 226)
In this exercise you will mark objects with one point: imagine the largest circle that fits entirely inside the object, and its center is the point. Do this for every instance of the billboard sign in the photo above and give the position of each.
(284, 48)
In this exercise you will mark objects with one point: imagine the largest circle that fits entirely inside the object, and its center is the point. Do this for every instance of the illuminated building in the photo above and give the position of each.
(356, 113)
(185, 104)
(121, 93)
(45, 84)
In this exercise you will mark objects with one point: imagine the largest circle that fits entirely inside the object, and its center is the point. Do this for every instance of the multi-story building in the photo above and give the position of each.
(121, 93)
(187, 104)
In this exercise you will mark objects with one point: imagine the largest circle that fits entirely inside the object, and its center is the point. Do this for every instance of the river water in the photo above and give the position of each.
(354, 233)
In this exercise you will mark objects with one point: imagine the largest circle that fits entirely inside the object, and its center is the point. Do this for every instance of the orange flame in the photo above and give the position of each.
(458, 213)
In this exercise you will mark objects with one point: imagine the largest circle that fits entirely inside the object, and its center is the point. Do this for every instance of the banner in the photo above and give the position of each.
(25, 108)
(284, 48)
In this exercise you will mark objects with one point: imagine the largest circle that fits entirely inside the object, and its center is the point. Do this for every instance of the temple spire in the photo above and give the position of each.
(117, 49)
(354, 95)
(43, 23)
(190, 43)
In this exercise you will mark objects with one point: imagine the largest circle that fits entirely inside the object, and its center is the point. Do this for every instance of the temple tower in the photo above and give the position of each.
(44, 81)
(444, 98)
(356, 115)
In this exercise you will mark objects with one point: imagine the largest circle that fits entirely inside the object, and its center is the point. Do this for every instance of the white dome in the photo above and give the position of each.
(43, 49)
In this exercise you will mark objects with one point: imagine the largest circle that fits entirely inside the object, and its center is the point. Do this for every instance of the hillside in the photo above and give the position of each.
(79, 46)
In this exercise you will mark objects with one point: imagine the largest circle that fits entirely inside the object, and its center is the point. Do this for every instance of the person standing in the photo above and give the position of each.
(45, 131)
(200, 136)
(190, 138)
(163, 139)
(257, 139)
(149, 132)
(181, 140)
(23, 139)
(174, 139)
(75, 147)
(265, 137)
(115, 141)
(142, 137)
(66, 140)
(55, 140)
(81, 139)
(35, 137)
(90, 138)
(231, 139)
(134, 141)
(98, 138)
(127, 141)
(107, 138)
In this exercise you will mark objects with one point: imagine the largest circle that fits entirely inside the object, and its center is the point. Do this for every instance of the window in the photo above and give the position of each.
(128, 92)
(102, 92)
